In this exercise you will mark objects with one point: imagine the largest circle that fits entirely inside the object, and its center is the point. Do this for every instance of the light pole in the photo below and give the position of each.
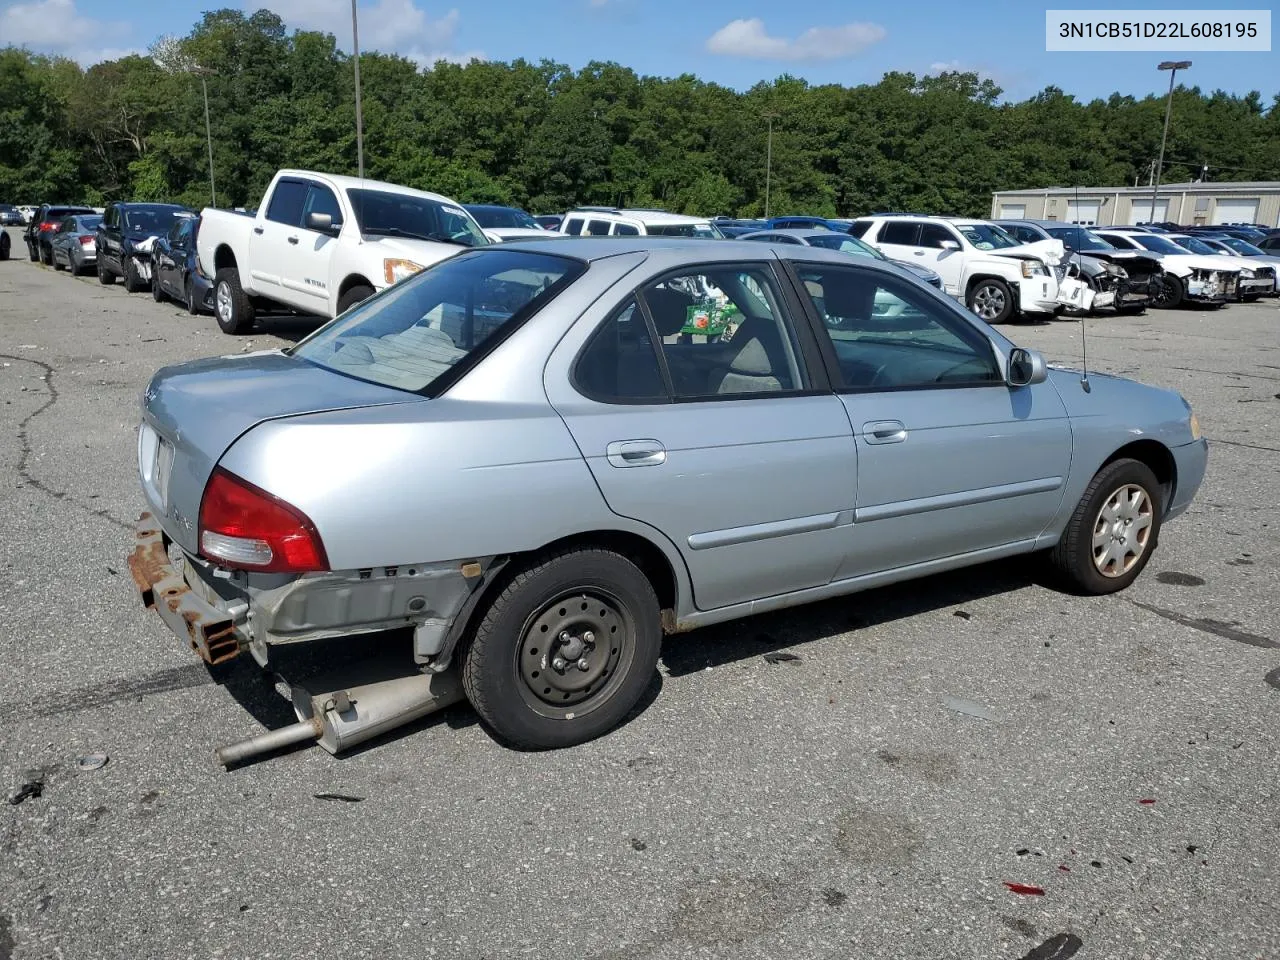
(202, 73)
(1173, 66)
(768, 162)
(355, 47)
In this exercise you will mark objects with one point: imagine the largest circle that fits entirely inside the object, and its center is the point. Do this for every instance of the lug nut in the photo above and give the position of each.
(588, 637)
(583, 665)
(560, 663)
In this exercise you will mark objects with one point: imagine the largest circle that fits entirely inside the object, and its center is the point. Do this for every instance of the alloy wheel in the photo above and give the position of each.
(988, 302)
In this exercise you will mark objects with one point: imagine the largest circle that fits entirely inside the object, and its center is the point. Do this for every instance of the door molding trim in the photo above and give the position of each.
(767, 531)
(964, 498)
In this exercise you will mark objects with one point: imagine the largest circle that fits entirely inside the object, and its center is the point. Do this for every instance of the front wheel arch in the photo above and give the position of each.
(1158, 459)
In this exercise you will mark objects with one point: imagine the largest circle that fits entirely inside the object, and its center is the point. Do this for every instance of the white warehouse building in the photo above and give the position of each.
(1211, 204)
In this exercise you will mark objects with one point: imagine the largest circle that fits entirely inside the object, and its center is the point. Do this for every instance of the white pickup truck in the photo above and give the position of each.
(321, 243)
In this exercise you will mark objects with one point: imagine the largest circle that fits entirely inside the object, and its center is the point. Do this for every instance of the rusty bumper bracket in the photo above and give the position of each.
(210, 631)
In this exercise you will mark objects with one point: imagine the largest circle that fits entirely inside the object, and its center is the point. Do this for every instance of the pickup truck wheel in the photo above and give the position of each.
(1171, 292)
(133, 281)
(1113, 531)
(353, 296)
(565, 651)
(231, 305)
(992, 300)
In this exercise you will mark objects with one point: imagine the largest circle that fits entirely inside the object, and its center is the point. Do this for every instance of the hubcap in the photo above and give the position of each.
(224, 303)
(988, 302)
(1122, 530)
(573, 652)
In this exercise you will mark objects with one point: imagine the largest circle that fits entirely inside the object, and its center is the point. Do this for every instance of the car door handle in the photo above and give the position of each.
(636, 453)
(293, 240)
(918, 253)
(884, 431)
(257, 230)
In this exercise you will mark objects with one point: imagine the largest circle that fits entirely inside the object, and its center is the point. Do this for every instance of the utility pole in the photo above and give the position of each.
(768, 163)
(202, 73)
(1173, 66)
(355, 46)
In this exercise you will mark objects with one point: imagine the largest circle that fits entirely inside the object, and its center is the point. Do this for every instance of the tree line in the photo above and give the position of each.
(546, 137)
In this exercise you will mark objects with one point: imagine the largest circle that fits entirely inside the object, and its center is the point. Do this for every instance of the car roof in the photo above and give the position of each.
(688, 250)
(644, 216)
(358, 183)
(491, 206)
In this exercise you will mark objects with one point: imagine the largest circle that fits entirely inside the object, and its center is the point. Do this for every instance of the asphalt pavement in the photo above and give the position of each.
(932, 744)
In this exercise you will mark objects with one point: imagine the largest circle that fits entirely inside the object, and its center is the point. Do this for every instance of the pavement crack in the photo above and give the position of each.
(1217, 628)
(1237, 443)
(24, 449)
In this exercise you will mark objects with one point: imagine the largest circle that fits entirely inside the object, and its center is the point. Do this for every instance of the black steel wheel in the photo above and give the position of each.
(565, 650)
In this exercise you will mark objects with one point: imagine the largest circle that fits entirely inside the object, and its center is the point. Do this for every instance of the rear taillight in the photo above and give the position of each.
(47, 226)
(86, 240)
(243, 526)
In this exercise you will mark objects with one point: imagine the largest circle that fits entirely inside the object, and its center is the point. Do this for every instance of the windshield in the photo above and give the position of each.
(707, 230)
(412, 334)
(986, 236)
(846, 244)
(90, 223)
(1242, 246)
(1156, 244)
(1078, 238)
(1196, 245)
(150, 220)
(491, 217)
(387, 214)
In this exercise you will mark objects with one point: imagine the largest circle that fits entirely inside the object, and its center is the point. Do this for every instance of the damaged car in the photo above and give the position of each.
(1118, 281)
(1196, 278)
(125, 238)
(517, 459)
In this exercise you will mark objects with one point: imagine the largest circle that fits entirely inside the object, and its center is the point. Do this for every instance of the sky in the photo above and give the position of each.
(733, 42)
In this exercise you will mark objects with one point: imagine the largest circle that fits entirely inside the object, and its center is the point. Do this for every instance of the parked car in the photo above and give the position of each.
(505, 223)
(362, 479)
(548, 221)
(125, 238)
(1201, 279)
(74, 243)
(321, 243)
(737, 228)
(1250, 234)
(10, 216)
(803, 223)
(1269, 243)
(998, 278)
(842, 242)
(1256, 279)
(28, 211)
(1121, 281)
(43, 223)
(176, 273)
(1242, 248)
(616, 222)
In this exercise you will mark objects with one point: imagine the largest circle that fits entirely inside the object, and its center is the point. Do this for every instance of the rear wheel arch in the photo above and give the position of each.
(224, 258)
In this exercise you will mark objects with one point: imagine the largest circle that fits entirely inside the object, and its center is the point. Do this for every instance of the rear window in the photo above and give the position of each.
(412, 335)
(153, 220)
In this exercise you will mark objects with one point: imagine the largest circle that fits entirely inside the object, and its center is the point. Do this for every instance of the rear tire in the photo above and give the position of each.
(189, 297)
(156, 293)
(1112, 532)
(46, 255)
(1171, 292)
(33, 253)
(57, 265)
(231, 305)
(590, 610)
(353, 296)
(991, 300)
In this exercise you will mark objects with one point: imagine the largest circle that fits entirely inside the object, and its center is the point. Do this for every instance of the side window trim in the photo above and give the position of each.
(826, 346)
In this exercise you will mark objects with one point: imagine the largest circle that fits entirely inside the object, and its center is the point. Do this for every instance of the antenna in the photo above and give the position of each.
(1084, 315)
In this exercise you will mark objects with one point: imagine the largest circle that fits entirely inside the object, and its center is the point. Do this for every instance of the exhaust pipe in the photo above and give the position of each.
(340, 718)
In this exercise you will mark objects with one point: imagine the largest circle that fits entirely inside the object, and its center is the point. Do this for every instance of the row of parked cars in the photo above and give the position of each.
(319, 244)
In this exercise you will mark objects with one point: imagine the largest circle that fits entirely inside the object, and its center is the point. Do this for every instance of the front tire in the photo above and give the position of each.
(105, 276)
(565, 651)
(1171, 292)
(991, 300)
(231, 306)
(353, 296)
(1114, 530)
(133, 282)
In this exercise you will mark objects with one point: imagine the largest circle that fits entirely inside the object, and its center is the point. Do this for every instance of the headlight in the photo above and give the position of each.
(1246, 272)
(1195, 427)
(1033, 268)
(396, 270)
(1116, 271)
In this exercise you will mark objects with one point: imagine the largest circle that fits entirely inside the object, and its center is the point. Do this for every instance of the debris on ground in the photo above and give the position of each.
(92, 761)
(1026, 889)
(963, 614)
(1147, 801)
(29, 790)
(1059, 947)
(777, 656)
(638, 844)
(340, 797)
(970, 708)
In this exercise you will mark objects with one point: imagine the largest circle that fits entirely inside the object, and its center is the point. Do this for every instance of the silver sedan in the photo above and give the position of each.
(540, 457)
(74, 243)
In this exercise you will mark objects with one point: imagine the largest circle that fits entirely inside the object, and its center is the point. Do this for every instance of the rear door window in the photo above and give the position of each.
(287, 201)
(573, 226)
(598, 228)
(901, 232)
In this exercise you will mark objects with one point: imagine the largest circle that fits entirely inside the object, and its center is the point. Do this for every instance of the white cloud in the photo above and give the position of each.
(57, 27)
(748, 38)
(389, 26)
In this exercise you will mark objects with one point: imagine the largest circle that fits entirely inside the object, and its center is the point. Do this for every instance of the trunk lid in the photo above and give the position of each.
(192, 412)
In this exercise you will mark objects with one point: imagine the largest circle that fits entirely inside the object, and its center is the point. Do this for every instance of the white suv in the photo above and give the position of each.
(615, 222)
(997, 277)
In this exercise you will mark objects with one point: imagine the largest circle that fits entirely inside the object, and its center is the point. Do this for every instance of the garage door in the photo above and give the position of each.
(1084, 212)
(1235, 211)
(1140, 211)
(1013, 211)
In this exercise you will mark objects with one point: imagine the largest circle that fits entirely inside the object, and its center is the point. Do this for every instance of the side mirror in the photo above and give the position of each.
(950, 245)
(1026, 367)
(322, 222)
